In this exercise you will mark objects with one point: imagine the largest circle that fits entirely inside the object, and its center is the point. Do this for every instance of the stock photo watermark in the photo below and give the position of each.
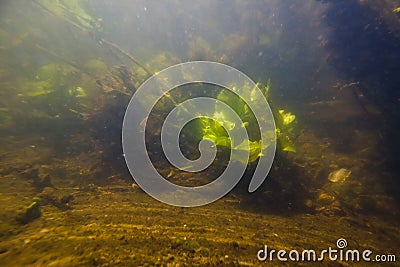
(340, 253)
(159, 86)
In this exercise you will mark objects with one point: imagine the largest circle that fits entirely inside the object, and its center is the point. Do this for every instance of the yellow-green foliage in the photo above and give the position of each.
(213, 129)
(57, 93)
(285, 127)
(77, 92)
(287, 117)
(48, 79)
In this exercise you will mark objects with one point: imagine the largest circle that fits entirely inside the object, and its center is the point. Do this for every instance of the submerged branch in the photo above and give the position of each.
(54, 55)
(115, 46)
(102, 40)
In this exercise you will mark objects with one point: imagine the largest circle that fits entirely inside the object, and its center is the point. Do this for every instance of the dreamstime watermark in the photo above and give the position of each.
(333, 254)
(159, 86)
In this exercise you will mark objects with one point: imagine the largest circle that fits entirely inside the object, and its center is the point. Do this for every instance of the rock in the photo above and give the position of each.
(30, 212)
(57, 198)
(32, 173)
(42, 181)
(3, 250)
(339, 175)
(325, 199)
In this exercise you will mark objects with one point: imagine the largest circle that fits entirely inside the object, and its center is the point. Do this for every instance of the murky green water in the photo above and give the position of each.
(329, 70)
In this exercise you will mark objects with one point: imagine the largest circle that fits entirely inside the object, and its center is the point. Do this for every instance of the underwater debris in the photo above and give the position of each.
(127, 79)
(339, 175)
(38, 181)
(57, 198)
(74, 14)
(120, 80)
(31, 173)
(129, 56)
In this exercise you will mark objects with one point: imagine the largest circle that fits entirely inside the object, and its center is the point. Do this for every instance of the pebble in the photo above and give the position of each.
(339, 175)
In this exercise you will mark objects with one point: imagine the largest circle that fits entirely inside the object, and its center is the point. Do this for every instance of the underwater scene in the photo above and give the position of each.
(199, 133)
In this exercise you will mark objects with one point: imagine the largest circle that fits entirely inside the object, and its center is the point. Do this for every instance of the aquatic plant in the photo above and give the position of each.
(77, 92)
(285, 126)
(48, 79)
(214, 129)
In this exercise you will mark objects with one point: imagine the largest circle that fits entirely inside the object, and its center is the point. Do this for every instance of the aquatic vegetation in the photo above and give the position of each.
(54, 96)
(64, 93)
(287, 117)
(285, 142)
(285, 126)
(39, 88)
(77, 92)
(48, 79)
(214, 129)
